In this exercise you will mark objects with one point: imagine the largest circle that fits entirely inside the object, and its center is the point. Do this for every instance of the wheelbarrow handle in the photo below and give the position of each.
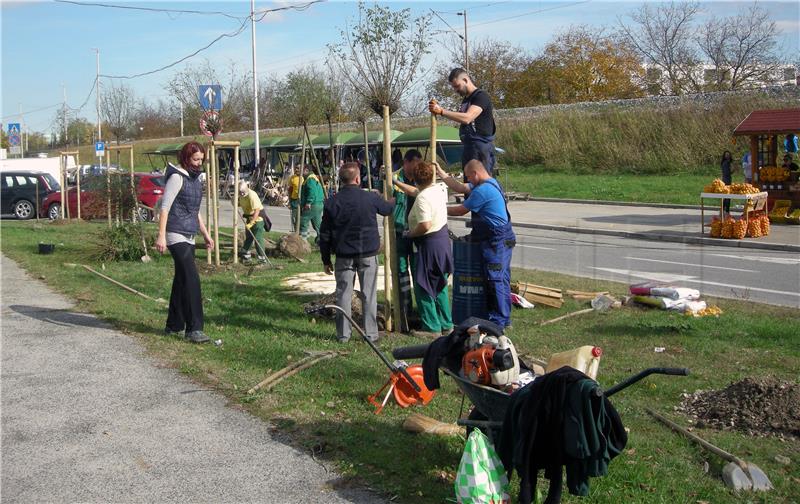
(410, 352)
(647, 372)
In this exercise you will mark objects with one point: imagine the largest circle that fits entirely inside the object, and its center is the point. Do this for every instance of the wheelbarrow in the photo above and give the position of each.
(405, 382)
(491, 404)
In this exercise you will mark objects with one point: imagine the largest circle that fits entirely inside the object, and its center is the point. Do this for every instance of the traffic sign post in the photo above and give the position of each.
(210, 96)
(99, 149)
(14, 138)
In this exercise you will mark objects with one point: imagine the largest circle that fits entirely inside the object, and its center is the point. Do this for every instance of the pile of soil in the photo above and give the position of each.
(755, 406)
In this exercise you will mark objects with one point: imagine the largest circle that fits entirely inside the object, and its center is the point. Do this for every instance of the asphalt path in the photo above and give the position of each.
(763, 276)
(87, 416)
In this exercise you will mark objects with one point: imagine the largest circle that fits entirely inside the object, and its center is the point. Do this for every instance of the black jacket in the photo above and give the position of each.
(349, 224)
(558, 421)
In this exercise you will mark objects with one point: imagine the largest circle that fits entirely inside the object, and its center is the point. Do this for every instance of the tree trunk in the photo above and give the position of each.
(366, 155)
(391, 281)
(300, 187)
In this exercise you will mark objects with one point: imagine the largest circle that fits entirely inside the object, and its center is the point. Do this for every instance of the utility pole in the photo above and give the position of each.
(466, 45)
(97, 95)
(255, 85)
(64, 111)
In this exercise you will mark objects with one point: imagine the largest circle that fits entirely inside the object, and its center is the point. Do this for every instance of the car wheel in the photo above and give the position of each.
(54, 211)
(144, 215)
(23, 209)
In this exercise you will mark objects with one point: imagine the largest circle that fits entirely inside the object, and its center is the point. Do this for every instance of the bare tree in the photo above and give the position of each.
(742, 48)
(380, 56)
(663, 36)
(118, 106)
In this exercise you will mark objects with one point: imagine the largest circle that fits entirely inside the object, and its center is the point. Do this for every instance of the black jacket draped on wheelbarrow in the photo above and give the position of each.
(559, 420)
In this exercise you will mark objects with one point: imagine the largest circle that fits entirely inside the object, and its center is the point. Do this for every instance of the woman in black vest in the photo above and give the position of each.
(179, 222)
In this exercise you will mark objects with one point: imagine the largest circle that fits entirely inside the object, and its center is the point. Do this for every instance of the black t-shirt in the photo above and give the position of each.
(484, 123)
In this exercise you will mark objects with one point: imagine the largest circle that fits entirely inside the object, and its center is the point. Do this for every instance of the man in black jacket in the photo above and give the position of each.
(350, 231)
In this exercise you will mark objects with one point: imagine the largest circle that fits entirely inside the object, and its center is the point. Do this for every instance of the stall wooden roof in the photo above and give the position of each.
(770, 122)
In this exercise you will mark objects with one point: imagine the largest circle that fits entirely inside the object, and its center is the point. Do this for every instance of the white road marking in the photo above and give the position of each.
(534, 247)
(662, 277)
(775, 260)
(704, 266)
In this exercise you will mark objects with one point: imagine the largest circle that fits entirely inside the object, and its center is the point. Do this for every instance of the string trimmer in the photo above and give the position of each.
(405, 382)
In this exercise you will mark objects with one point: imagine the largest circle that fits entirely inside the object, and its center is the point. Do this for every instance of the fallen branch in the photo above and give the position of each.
(120, 284)
(294, 368)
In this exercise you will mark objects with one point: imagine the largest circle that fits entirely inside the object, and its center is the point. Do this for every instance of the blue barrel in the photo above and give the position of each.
(469, 290)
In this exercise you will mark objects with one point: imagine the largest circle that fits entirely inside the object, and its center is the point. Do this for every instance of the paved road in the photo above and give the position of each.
(764, 276)
(88, 417)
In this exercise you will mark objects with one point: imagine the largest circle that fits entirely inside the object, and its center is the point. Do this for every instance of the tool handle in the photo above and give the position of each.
(697, 439)
(647, 372)
(410, 352)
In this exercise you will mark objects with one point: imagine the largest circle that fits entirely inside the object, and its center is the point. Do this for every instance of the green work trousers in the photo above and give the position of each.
(404, 258)
(293, 204)
(314, 216)
(434, 312)
(258, 231)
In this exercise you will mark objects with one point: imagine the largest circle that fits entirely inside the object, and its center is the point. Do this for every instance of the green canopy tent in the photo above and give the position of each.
(448, 143)
(165, 151)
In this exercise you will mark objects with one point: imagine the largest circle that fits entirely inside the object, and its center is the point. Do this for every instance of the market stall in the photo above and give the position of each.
(767, 130)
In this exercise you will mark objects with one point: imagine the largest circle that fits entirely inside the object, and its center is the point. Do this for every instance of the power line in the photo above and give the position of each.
(76, 110)
(448, 24)
(515, 16)
(195, 53)
(473, 8)
(232, 34)
(20, 114)
(151, 9)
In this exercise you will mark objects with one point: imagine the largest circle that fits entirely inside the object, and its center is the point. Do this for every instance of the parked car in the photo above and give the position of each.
(92, 170)
(19, 192)
(149, 188)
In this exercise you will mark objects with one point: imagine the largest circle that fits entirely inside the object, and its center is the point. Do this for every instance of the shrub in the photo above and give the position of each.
(121, 243)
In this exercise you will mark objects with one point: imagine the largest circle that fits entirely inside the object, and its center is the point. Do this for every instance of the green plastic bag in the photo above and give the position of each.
(481, 477)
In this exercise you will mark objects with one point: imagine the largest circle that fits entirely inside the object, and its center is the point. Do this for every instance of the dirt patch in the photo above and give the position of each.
(356, 309)
(755, 406)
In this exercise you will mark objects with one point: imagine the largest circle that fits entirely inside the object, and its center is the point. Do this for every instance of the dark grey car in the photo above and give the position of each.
(19, 192)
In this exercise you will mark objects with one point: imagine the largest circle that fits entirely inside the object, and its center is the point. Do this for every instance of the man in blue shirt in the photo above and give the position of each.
(485, 197)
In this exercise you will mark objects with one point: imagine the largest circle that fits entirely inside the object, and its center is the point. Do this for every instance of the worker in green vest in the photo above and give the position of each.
(402, 207)
(312, 200)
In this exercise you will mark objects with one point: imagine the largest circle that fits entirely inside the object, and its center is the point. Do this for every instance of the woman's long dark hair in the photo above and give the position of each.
(730, 156)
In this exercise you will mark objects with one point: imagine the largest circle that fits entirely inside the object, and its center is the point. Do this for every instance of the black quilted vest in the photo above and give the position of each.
(182, 217)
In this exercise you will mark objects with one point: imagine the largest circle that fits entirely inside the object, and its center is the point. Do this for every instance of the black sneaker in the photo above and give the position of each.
(197, 337)
(172, 334)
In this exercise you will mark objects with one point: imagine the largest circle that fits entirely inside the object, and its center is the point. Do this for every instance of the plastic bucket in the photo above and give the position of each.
(47, 248)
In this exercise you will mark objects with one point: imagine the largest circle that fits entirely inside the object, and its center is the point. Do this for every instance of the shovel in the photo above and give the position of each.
(737, 473)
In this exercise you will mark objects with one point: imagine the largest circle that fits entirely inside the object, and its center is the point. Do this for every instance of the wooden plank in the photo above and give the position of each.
(525, 288)
(543, 300)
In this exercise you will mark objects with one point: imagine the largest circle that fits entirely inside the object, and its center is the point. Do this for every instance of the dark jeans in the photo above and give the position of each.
(186, 300)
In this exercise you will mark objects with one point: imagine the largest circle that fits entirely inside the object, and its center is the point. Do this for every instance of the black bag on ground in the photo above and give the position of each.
(267, 221)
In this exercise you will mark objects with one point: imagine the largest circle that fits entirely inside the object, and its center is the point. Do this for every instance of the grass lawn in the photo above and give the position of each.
(681, 189)
(324, 408)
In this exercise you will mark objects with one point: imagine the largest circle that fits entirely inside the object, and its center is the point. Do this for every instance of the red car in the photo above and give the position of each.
(149, 189)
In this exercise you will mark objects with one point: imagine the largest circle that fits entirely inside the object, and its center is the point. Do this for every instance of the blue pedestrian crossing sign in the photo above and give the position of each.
(99, 149)
(210, 96)
(14, 138)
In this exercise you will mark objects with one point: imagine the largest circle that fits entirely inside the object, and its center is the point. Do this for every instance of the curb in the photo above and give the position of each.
(612, 203)
(693, 240)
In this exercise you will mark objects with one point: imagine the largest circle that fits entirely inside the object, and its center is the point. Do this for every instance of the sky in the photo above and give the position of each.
(48, 47)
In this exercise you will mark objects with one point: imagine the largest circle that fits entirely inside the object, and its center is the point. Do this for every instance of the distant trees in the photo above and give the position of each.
(740, 50)
(118, 107)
